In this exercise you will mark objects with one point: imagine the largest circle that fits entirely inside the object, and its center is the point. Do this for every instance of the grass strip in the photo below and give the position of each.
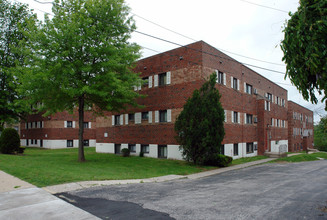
(44, 167)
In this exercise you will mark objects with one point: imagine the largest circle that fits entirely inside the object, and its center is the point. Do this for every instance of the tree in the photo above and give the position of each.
(200, 126)
(320, 137)
(82, 58)
(13, 20)
(9, 141)
(305, 49)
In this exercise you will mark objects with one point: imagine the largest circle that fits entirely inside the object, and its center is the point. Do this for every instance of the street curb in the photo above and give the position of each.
(88, 184)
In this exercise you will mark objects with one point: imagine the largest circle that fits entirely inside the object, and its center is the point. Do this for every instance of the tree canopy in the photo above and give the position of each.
(82, 58)
(200, 126)
(13, 23)
(305, 49)
(320, 134)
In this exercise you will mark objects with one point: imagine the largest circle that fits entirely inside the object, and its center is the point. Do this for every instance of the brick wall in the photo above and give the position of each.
(296, 141)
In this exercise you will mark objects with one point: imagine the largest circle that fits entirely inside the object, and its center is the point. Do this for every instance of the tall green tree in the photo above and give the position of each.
(320, 134)
(13, 23)
(82, 58)
(200, 126)
(305, 49)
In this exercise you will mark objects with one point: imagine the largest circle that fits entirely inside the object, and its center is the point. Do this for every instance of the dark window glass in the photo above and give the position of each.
(163, 116)
(235, 83)
(145, 148)
(248, 89)
(70, 143)
(132, 148)
(145, 115)
(249, 148)
(249, 118)
(117, 119)
(69, 124)
(131, 117)
(162, 151)
(220, 77)
(162, 79)
(85, 124)
(86, 143)
(235, 150)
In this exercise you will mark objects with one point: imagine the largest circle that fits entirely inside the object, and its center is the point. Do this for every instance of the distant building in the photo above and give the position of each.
(300, 129)
(256, 109)
(56, 131)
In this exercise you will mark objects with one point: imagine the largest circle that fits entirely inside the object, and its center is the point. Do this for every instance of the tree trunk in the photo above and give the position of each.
(81, 157)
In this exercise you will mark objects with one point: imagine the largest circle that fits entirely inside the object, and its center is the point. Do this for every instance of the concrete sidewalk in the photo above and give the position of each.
(87, 184)
(21, 200)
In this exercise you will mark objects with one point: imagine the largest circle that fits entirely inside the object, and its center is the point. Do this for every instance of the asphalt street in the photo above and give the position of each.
(269, 191)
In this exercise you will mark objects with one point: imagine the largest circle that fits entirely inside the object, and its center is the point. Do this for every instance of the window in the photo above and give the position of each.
(69, 124)
(35, 124)
(222, 149)
(41, 124)
(32, 141)
(145, 81)
(249, 118)
(117, 119)
(26, 125)
(117, 148)
(272, 122)
(235, 84)
(267, 105)
(269, 96)
(131, 117)
(26, 142)
(145, 115)
(283, 102)
(248, 89)
(277, 100)
(220, 77)
(162, 79)
(85, 124)
(235, 149)
(235, 116)
(132, 148)
(70, 143)
(35, 141)
(277, 124)
(163, 116)
(145, 148)
(162, 151)
(86, 143)
(249, 148)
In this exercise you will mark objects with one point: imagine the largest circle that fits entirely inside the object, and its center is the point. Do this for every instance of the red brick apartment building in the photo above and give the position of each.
(256, 109)
(300, 123)
(59, 130)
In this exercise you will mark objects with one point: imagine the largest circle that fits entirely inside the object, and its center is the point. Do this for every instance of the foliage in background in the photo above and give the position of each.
(320, 135)
(9, 141)
(13, 22)
(82, 58)
(200, 126)
(305, 49)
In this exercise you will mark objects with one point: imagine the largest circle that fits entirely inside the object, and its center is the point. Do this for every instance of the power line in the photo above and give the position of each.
(175, 32)
(177, 44)
(264, 6)
(40, 2)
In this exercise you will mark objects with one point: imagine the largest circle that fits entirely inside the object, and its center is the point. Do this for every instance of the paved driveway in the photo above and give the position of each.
(270, 191)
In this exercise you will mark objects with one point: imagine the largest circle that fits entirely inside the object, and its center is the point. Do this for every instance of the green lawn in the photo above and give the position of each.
(43, 167)
(247, 159)
(302, 157)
